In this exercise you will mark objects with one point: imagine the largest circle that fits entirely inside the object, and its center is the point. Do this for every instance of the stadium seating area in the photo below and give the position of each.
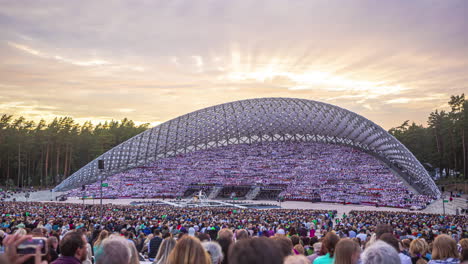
(303, 171)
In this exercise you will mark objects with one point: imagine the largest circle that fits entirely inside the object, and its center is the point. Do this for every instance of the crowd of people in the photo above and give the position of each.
(304, 171)
(163, 234)
(8, 193)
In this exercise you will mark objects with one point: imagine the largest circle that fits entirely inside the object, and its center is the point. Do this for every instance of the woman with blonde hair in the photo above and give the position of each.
(444, 250)
(97, 244)
(164, 250)
(347, 251)
(21, 232)
(418, 249)
(188, 250)
(134, 257)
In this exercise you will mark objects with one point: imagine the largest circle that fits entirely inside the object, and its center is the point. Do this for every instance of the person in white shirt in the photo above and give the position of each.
(362, 235)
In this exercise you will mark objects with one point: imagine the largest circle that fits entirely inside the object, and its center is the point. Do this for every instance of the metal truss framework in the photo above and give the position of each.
(254, 121)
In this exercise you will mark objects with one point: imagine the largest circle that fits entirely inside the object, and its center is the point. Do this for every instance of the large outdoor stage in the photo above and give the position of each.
(435, 208)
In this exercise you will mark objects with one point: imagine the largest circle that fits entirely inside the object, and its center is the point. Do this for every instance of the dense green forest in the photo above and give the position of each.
(442, 143)
(43, 154)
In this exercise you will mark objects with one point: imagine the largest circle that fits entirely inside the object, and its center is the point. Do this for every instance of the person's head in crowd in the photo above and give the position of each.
(215, 252)
(391, 240)
(225, 240)
(256, 251)
(406, 244)
(37, 232)
(296, 259)
(280, 232)
(464, 250)
(127, 234)
(95, 234)
(188, 250)
(166, 235)
(148, 238)
(329, 243)
(418, 249)
(382, 229)
(313, 240)
(347, 252)
(380, 253)
(156, 232)
(114, 250)
(203, 237)
(102, 235)
(317, 247)
(73, 244)
(53, 242)
(357, 240)
(292, 231)
(284, 244)
(191, 231)
(444, 247)
(164, 250)
(181, 235)
(21, 232)
(299, 249)
(241, 234)
(370, 241)
(295, 239)
(225, 233)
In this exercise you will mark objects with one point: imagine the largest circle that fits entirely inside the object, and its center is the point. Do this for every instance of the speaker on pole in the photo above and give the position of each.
(101, 164)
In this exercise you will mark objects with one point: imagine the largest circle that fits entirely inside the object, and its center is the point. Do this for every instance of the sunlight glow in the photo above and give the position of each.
(318, 80)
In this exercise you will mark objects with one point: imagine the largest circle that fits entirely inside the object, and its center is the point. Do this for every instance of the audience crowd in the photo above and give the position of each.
(303, 171)
(161, 234)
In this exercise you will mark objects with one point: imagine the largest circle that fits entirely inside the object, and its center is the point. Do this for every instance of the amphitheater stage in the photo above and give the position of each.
(435, 208)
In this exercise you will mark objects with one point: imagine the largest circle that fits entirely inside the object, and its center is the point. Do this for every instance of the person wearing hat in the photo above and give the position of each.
(191, 231)
(280, 232)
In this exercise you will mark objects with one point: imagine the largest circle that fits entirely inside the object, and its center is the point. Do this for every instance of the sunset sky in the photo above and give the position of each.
(152, 61)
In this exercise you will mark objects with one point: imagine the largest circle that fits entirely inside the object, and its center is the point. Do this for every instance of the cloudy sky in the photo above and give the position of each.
(152, 61)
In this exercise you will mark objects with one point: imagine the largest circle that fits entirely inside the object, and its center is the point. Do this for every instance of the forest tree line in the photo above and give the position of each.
(441, 145)
(42, 154)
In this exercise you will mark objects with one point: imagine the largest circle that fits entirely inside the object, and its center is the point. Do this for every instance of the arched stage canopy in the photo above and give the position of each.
(255, 121)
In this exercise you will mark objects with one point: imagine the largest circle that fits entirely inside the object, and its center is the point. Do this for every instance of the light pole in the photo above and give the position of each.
(102, 209)
(101, 169)
(443, 203)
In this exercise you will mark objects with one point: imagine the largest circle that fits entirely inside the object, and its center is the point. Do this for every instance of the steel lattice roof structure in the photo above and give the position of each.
(254, 121)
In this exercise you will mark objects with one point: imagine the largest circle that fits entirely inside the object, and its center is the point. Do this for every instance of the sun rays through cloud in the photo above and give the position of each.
(153, 61)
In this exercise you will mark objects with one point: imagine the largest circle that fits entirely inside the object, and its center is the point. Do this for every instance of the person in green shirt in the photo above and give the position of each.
(329, 243)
